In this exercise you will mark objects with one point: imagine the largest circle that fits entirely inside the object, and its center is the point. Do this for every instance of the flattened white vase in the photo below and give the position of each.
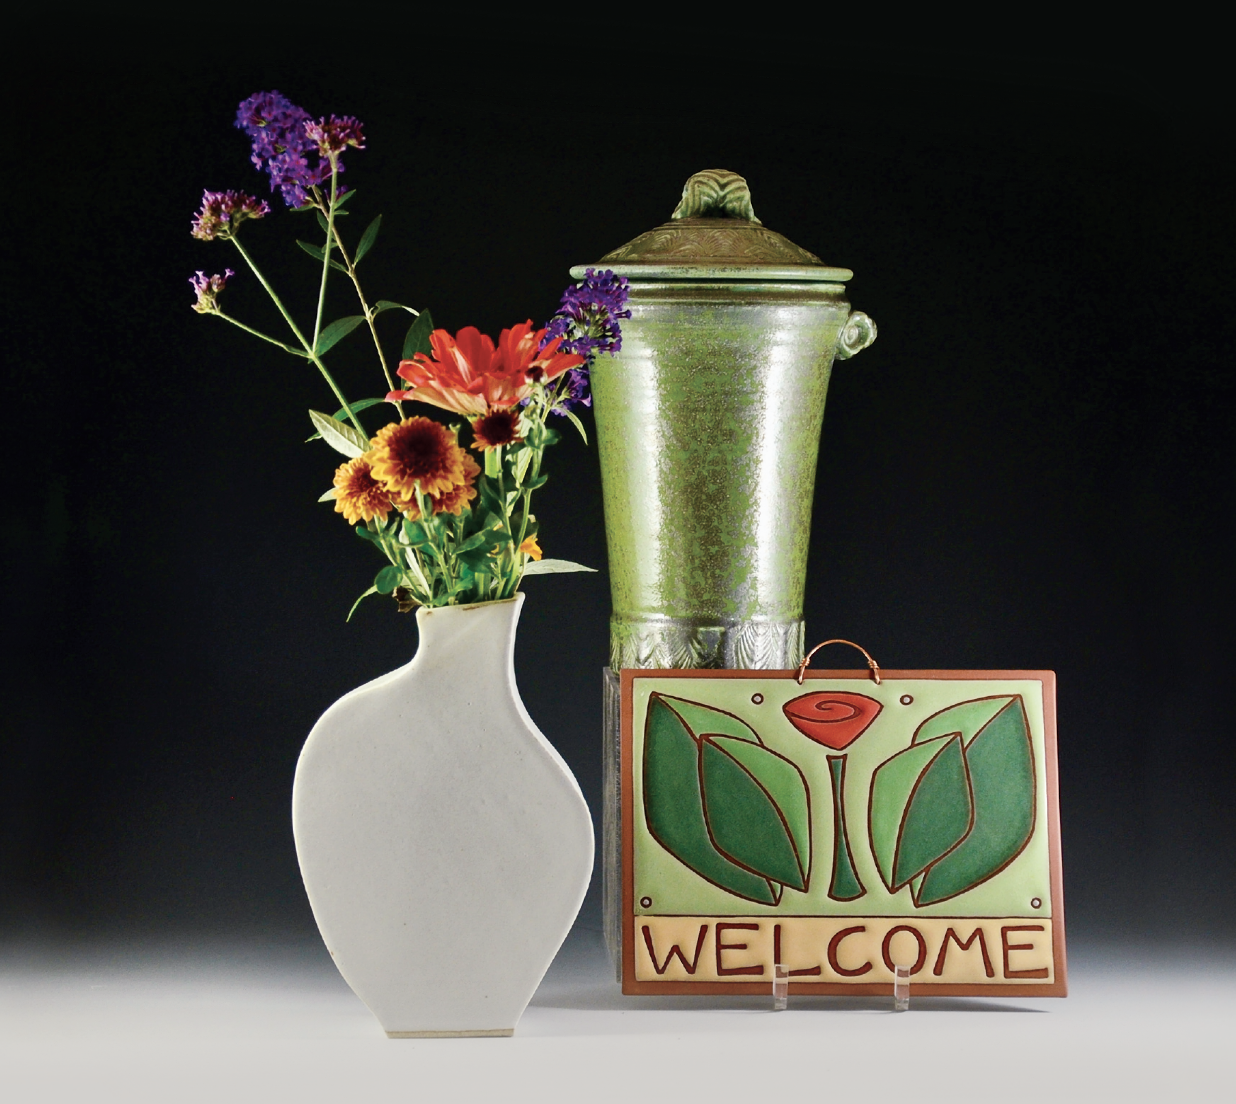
(444, 843)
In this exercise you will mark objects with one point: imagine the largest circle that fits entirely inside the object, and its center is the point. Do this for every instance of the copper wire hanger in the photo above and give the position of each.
(875, 667)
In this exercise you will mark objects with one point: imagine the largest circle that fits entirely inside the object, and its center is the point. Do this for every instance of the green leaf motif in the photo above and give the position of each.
(367, 239)
(337, 331)
(920, 808)
(730, 809)
(417, 339)
(958, 805)
(341, 437)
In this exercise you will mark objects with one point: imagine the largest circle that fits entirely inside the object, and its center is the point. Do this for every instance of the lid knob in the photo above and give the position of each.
(716, 193)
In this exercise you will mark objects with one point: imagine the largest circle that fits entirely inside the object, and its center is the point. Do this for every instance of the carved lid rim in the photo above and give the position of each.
(715, 248)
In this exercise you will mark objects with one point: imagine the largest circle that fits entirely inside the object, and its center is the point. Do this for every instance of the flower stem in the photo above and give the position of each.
(257, 333)
(309, 349)
(330, 236)
(370, 316)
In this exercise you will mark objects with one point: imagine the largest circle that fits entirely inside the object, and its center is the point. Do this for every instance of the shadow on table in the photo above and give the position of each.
(588, 995)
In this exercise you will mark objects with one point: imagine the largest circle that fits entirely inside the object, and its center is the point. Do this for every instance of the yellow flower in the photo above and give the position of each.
(461, 494)
(417, 451)
(531, 548)
(360, 497)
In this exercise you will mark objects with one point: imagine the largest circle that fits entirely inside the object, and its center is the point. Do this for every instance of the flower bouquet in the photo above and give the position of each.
(455, 528)
(444, 844)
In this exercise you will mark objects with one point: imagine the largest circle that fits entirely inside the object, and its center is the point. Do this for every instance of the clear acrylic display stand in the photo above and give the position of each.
(901, 988)
(781, 987)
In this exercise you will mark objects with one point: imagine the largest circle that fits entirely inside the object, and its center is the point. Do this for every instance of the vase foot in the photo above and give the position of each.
(495, 1033)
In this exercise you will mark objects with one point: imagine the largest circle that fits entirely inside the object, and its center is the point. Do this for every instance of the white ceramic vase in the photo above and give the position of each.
(444, 843)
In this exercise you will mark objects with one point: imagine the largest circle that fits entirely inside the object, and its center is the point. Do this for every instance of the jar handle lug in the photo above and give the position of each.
(858, 332)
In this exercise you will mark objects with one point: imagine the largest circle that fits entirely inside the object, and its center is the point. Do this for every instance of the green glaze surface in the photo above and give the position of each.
(708, 426)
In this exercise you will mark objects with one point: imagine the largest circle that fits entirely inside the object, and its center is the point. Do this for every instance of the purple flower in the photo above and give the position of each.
(587, 319)
(291, 147)
(572, 391)
(223, 212)
(335, 134)
(207, 289)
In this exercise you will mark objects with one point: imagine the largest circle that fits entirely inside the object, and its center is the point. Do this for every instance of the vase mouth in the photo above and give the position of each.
(428, 611)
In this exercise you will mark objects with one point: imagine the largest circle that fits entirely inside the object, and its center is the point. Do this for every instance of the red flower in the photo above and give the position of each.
(834, 718)
(468, 375)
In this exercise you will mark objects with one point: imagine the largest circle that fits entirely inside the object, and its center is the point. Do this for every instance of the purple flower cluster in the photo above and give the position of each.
(207, 289)
(223, 212)
(572, 390)
(587, 321)
(335, 134)
(291, 148)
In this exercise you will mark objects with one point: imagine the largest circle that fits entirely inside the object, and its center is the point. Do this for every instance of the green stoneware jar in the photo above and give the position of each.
(708, 426)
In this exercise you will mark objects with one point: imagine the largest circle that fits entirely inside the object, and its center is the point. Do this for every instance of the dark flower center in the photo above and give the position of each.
(498, 427)
(420, 450)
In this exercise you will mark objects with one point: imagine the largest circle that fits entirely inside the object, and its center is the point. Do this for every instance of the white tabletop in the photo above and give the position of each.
(238, 1023)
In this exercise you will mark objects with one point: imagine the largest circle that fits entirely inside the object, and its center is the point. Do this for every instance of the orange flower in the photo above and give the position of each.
(496, 427)
(360, 497)
(454, 501)
(469, 375)
(450, 502)
(531, 548)
(416, 451)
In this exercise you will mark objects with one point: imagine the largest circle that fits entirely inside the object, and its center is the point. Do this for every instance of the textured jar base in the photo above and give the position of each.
(675, 643)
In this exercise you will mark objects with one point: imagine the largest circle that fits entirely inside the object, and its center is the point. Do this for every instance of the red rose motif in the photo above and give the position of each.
(833, 718)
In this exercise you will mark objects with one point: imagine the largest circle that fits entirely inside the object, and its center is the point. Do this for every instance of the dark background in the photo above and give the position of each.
(1029, 469)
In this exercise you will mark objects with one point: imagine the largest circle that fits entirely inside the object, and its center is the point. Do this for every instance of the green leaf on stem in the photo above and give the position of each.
(316, 253)
(554, 567)
(577, 424)
(367, 239)
(415, 532)
(539, 481)
(340, 437)
(478, 559)
(371, 590)
(490, 499)
(522, 459)
(337, 331)
(344, 198)
(364, 533)
(330, 495)
(341, 415)
(474, 541)
(389, 304)
(322, 222)
(417, 340)
(388, 579)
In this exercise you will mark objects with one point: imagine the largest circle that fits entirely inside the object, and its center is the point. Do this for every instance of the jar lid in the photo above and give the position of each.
(713, 234)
